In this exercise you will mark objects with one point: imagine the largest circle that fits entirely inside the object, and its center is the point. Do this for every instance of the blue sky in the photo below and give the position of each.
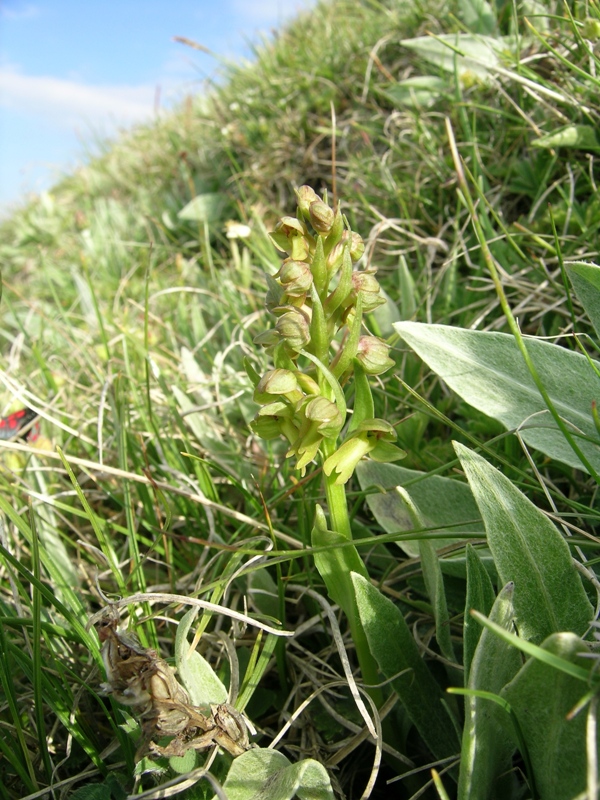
(73, 70)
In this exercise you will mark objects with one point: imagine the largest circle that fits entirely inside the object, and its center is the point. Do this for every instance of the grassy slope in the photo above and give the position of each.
(118, 316)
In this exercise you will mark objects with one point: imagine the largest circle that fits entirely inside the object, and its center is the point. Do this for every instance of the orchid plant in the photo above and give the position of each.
(322, 355)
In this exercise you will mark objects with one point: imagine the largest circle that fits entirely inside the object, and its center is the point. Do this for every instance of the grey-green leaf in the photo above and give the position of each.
(208, 207)
(202, 683)
(574, 137)
(432, 575)
(262, 774)
(393, 646)
(419, 91)
(434, 583)
(462, 52)
(445, 504)
(542, 697)
(488, 371)
(478, 16)
(487, 748)
(480, 596)
(586, 282)
(528, 550)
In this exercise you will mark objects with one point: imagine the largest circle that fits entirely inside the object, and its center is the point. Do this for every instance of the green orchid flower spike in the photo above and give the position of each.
(318, 297)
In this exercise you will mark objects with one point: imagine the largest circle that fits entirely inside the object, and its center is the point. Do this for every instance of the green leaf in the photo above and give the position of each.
(480, 596)
(383, 317)
(574, 137)
(184, 764)
(261, 773)
(208, 207)
(586, 282)
(421, 91)
(445, 504)
(336, 564)
(434, 581)
(202, 683)
(263, 590)
(395, 650)
(487, 747)
(529, 550)
(477, 15)
(463, 52)
(488, 371)
(541, 698)
(93, 791)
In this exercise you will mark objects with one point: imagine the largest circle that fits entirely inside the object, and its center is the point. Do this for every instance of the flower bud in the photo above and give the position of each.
(325, 413)
(295, 278)
(335, 258)
(293, 326)
(373, 355)
(357, 246)
(321, 217)
(277, 383)
(367, 284)
(306, 195)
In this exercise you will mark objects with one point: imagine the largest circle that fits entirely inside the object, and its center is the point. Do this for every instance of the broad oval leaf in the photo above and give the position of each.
(462, 52)
(528, 550)
(575, 137)
(445, 504)
(208, 207)
(420, 91)
(487, 370)
(269, 775)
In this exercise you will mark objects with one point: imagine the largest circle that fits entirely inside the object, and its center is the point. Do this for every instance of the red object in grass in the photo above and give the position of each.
(13, 423)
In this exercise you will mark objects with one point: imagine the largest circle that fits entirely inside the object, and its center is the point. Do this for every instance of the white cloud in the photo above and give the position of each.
(68, 102)
(269, 12)
(27, 11)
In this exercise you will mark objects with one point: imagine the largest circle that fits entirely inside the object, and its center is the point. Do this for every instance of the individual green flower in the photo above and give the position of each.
(591, 29)
(335, 258)
(322, 217)
(267, 338)
(295, 278)
(372, 437)
(294, 329)
(306, 195)
(365, 282)
(355, 244)
(321, 419)
(278, 383)
(291, 236)
(373, 355)
(274, 420)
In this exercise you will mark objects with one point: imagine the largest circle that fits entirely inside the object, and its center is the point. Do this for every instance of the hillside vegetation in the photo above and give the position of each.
(286, 446)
